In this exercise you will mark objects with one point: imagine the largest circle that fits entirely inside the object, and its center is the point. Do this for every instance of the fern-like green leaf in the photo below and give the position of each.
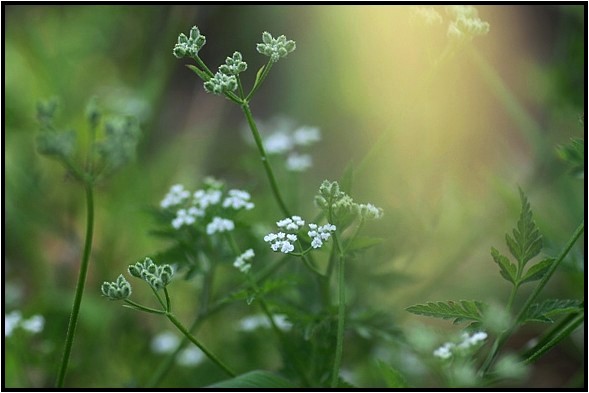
(463, 310)
(508, 269)
(542, 312)
(574, 154)
(526, 242)
(537, 271)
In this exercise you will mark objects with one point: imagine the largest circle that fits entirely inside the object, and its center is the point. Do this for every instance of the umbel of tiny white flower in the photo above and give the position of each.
(117, 290)
(467, 341)
(221, 83)
(275, 48)
(241, 261)
(283, 242)
(156, 276)
(341, 204)
(189, 46)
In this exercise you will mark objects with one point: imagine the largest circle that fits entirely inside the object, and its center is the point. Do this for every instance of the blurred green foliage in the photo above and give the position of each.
(438, 227)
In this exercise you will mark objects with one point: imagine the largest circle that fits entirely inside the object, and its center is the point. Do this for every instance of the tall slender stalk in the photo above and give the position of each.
(341, 311)
(264, 157)
(208, 353)
(71, 330)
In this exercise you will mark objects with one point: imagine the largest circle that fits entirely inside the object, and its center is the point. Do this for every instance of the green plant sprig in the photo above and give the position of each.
(158, 277)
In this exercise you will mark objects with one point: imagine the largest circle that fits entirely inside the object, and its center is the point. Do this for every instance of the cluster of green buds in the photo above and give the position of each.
(189, 46)
(156, 276)
(117, 290)
(116, 147)
(275, 48)
(50, 142)
(225, 79)
(233, 65)
(342, 206)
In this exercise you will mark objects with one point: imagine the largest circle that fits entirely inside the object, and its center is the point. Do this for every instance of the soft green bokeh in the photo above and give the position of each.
(446, 173)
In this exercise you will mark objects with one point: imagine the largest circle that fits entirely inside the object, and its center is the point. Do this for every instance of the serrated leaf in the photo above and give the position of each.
(508, 269)
(526, 242)
(255, 379)
(201, 74)
(574, 154)
(363, 242)
(542, 312)
(537, 271)
(393, 378)
(464, 310)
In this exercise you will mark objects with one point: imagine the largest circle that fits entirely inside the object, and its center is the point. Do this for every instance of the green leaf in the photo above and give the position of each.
(526, 242)
(464, 310)
(574, 154)
(508, 269)
(393, 378)
(201, 74)
(363, 242)
(542, 312)
(258, 76)
(537, 271)
(255, 379)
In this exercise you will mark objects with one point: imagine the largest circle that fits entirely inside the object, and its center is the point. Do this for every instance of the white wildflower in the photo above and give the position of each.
(34, 324)
(278, 143)
(320, 234)
(11, 321)
(220, 225)
(291, 224)
(241, 261)
(298, 162)
(165, 342)
(445, 351)
(472, 340)
(182, 218)
(254, 322)
(175, 196)
(190, 357)
(306, 135)
(238, 199)
(206, 198)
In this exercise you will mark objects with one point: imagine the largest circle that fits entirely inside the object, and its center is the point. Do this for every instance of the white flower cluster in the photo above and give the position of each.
(331, 197)
(167, 342)
(320, 234)
(207, 202)
(283, 242)
(241, 261)
(282, 137)
(467, 341)
(14, 320)
(254, 322)
(220, 225)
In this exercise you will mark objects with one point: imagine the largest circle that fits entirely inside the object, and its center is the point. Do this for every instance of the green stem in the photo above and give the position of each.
(340, 316)
(519, 319)
(209, 354)
(550, 272)
(71, 330)
(168, 302)
(260, 81)
(139, 307)
(269, 173)
(560, 332)
(159, 298)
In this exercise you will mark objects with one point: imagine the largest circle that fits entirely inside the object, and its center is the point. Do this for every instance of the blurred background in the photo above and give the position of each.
(441, 146)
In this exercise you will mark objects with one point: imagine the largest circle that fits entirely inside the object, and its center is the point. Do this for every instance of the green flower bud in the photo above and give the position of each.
(135, 270)
(58, 144)
(92, 113)
(221, 83)
(275, 48)
(189, 45)
(46, 111)
(118, 290)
